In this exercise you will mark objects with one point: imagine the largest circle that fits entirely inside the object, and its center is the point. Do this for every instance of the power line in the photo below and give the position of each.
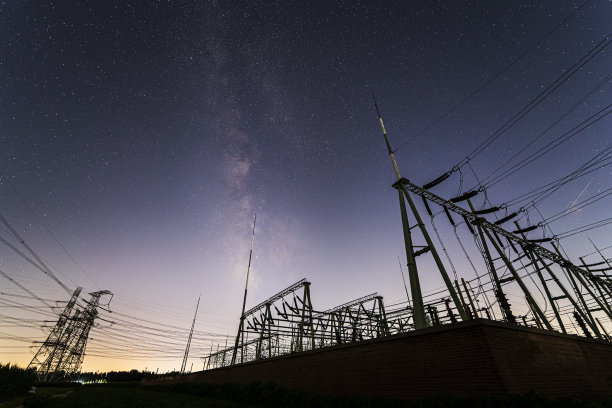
(545, 131)
(497, 75)
(585, 124)
(41, 265)
(39, 219)
(596, 252)
(589, 167)
(19, 285)
(579, 206)
(585, 228)
(567, 74)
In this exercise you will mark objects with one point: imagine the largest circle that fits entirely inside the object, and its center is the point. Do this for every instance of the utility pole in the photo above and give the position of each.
(415, 287)
(413, 275)
(240, 334)
(189, 339)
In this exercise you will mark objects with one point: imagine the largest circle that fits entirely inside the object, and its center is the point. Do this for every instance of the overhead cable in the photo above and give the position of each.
(498, 74)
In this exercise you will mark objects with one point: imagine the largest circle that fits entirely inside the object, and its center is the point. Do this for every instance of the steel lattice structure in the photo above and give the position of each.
(565, 285)
(61, 354)
(287, 323)
(54, 349)
(529, 245)
(502, 269)
(516, 280)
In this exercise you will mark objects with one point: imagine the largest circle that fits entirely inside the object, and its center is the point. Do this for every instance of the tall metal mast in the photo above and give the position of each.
(246, 287)
(189, 340)
(419, 309)
(413, 276)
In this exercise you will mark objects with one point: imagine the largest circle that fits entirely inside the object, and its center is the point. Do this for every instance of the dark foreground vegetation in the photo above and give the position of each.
(188, 395)
(14, 381)
(125, 389)
(123, 376)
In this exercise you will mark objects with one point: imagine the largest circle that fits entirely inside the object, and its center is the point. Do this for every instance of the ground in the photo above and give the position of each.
(186, 395)
(111, 397)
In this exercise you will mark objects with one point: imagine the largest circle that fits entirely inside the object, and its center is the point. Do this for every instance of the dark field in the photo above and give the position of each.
(111, 397)
(261, 395)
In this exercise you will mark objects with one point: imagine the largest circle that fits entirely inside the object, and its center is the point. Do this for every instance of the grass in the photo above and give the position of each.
(109, 396)
(261, 395)
(40, 392)
(14, 381)
(271, 395)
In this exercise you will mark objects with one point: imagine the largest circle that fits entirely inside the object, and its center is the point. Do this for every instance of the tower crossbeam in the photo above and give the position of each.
(471, 217)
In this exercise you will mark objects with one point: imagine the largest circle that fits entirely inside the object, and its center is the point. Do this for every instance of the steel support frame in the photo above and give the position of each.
(434, 252)
(545, 253)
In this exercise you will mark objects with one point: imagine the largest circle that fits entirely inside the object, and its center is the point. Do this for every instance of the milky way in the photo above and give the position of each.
(140, 138)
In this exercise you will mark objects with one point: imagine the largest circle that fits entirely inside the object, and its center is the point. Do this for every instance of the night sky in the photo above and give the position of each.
(138, 140)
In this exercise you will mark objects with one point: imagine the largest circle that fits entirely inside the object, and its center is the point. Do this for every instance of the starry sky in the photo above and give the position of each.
(138, 140)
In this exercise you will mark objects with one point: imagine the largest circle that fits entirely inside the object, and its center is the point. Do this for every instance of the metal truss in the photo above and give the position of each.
(532, 259)
(475, 219)
(286, 323)
(53, 350)
(61, 355)
(278, 296)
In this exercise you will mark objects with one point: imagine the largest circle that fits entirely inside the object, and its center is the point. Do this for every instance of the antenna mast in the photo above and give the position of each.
(391, 154)
(413, 276)
(246, 286)
(189, 340)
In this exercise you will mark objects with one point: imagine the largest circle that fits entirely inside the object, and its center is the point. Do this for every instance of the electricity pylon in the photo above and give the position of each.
(61, 355)
(52, 350)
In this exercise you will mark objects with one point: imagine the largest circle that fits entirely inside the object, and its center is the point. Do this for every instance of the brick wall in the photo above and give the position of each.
(473, 357)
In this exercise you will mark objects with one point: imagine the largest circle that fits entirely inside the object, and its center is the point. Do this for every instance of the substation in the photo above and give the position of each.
(523, 318)
(513, 313)
(143, 135)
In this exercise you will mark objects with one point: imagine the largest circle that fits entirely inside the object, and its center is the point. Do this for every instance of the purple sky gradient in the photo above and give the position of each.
(146, 136)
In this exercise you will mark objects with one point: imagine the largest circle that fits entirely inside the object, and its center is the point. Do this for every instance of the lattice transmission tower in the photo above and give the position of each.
(61, 354)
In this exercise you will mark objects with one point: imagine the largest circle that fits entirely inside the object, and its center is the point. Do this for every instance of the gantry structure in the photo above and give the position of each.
(514, 264)
(287, 323)
(515, 278)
